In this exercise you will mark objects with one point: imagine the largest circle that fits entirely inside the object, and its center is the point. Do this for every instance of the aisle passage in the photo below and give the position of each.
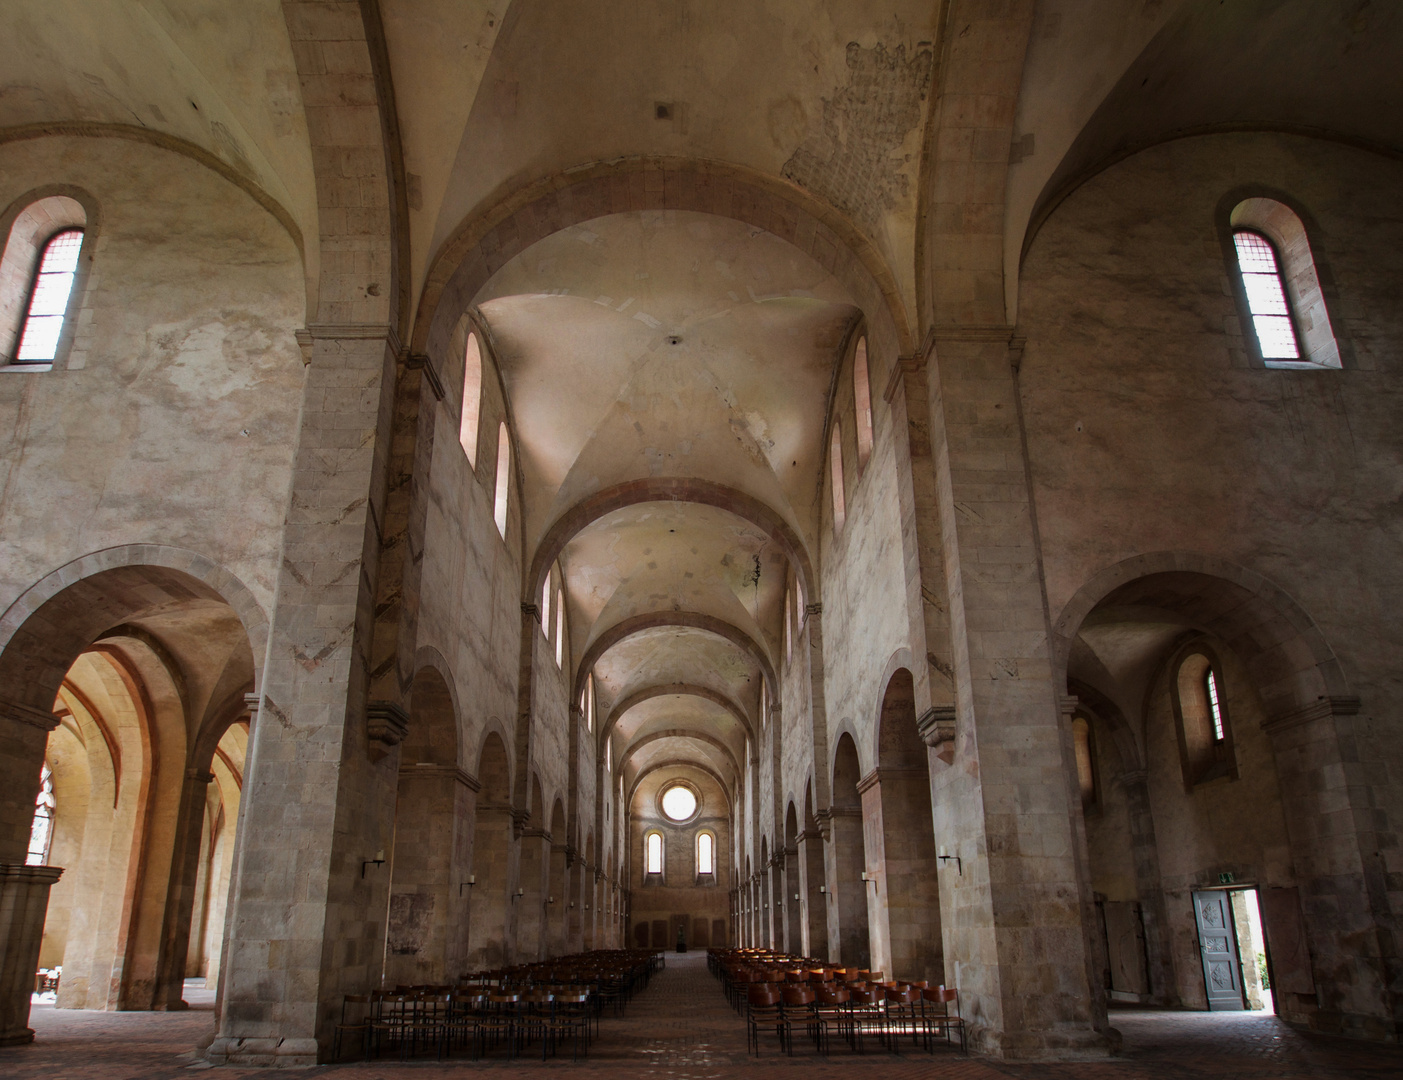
(680, 1028)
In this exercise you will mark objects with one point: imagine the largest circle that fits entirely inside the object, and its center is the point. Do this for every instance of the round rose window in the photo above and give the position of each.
(679, 803)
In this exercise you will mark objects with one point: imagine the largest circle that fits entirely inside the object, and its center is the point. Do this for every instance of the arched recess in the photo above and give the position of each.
(492, 870)
(491, 237)
(793, 905)
(697, 620)
(1332, 811)
(815, 890)
(557, 903)
(685, 733)
(426, 936)
(101, 604)
(1293, 665)
(847, 913)
(668, 489)
(897, 811)
(529, 902)
(622, 707)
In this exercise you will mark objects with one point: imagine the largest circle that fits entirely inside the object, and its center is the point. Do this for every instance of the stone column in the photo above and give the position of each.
(1016, 933)
(848, 940)
(180, 896)
(1331, 785)
(308, 917)
(24, 904)
(812, 887)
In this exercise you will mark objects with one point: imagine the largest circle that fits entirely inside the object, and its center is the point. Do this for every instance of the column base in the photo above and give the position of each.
(17, 1038)
(1074, 1045)
(286, 1053)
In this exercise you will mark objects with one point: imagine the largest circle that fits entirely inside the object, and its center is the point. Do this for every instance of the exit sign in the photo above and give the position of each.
(1225, 879)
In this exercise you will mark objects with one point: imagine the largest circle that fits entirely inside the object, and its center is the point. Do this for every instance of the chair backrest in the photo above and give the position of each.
(797, 995)
(761, 994)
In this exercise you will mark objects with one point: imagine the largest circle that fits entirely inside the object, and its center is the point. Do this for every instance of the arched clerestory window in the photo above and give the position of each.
(504, 468)
(1280, 288)
(39, 272)
(472, 399)
(706, 853)
(1201, 715)
(1266, 296)
(835, 464)
(559, 627)
(653, 852)
(1085, 753)
(862, 403)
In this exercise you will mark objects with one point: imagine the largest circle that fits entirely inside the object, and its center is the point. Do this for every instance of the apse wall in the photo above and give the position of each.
(175, 417)
(1147, 432)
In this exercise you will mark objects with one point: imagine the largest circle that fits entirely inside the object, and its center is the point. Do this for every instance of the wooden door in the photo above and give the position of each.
(1222, 971)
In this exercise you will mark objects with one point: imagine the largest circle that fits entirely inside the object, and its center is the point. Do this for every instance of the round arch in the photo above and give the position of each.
(678, 763)
(682, 689)
(93, 593)
(487, 239)
(1288, 655)
(694, 620)
(680, 733)
(669, 489)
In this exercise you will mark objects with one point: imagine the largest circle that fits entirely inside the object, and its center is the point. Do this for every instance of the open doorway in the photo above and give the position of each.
(1236, 974)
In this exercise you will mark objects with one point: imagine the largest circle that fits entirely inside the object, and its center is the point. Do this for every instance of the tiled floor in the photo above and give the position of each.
(681, 1028)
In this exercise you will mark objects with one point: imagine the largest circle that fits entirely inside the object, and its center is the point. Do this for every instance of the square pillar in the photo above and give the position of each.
(24, 903)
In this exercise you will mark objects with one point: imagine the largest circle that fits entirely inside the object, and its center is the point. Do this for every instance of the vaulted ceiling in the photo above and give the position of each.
(682, 346)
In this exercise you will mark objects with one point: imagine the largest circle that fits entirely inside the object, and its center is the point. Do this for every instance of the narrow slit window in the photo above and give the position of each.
(545, 606)
(788, 631)
(1215, 710)
(835, 462)
(504, 468)
(589, 702)
(862, 401)
(48, 299)
(1266, 296)
(472, 399)
(655, 853)
(559, 628)
(706, 854)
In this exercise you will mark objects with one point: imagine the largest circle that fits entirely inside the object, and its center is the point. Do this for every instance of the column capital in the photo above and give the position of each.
(1322, 708)
(421, 362)
(386, 725)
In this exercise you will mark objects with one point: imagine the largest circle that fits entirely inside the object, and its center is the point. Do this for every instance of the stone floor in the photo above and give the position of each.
(681, 1027)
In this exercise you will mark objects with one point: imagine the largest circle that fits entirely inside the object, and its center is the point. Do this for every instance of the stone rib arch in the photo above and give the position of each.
(675, 763)
(694, 620)
(679, 733)
(665, 690)
(30, 640)
(668, 489)
(511, 223)
(1287, 653)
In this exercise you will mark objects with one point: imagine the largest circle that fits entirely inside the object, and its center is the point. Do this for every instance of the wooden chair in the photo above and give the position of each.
(938, 1019)
(764, 1010)
(355, 1020)
(800, 1001)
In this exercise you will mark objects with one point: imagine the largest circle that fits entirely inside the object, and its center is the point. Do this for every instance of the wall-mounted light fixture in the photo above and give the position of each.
(945, 857)
(550, 899)
(472, 880)
(518, 895)
(796, 896)
(378, 861)
(823, 888)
